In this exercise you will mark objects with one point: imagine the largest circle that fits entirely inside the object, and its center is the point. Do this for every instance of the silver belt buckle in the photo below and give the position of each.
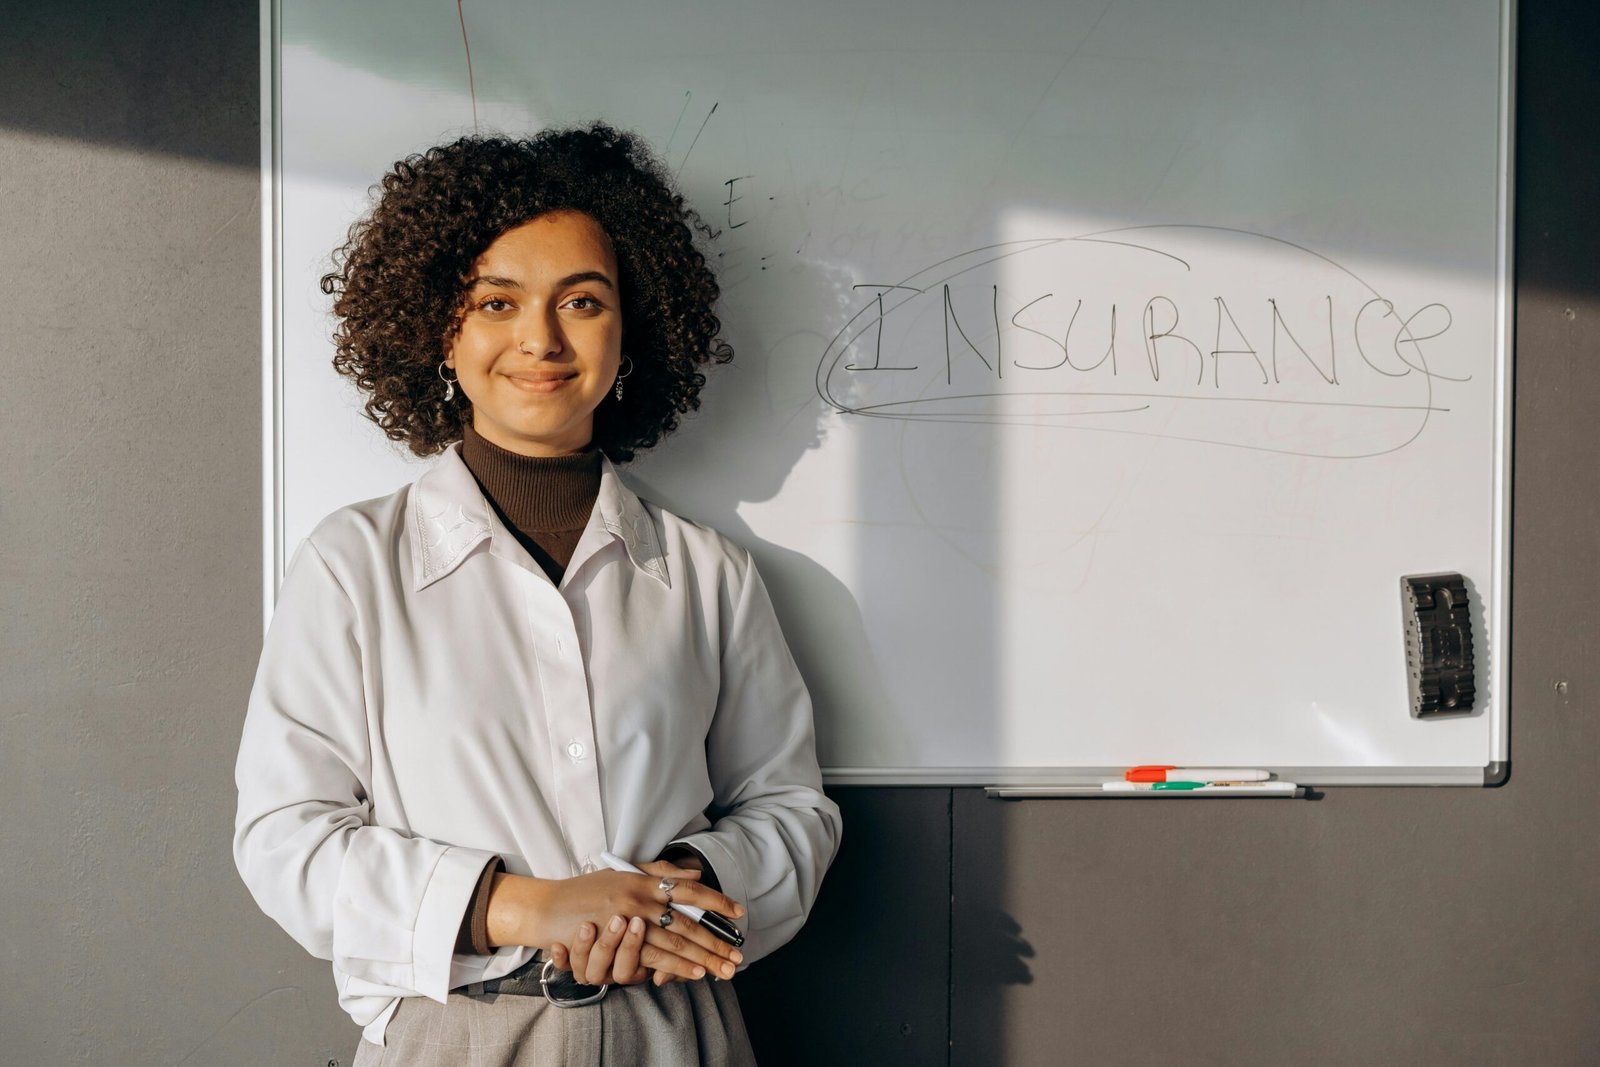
(547, 979)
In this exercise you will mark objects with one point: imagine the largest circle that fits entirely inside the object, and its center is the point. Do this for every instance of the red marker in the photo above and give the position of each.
(1162, 773)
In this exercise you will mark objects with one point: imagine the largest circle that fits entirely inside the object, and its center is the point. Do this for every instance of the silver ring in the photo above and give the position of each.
(667, 885)
(666, 919)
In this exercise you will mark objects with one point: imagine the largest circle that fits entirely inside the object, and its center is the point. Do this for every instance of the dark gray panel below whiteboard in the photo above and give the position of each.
(866, 980)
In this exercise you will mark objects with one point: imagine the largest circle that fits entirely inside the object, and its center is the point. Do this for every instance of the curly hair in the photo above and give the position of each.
(400, 278)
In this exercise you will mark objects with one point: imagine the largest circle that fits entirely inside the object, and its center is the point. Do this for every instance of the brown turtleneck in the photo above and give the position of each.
(544, 501)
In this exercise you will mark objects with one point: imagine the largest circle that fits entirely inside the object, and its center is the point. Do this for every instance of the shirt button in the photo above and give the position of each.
(575, 750)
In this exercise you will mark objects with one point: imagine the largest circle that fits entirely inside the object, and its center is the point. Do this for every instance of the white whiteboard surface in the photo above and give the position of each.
(1010, 543)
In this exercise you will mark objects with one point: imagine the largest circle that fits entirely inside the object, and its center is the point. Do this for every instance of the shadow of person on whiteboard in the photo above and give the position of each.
(760, 417)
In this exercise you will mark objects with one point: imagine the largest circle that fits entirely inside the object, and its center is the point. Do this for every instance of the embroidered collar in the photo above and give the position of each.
(449, 517)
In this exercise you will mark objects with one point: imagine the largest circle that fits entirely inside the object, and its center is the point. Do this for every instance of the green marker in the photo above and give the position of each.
(1178, 785)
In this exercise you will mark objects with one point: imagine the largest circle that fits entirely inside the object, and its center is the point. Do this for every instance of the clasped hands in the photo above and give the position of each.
(604, 926)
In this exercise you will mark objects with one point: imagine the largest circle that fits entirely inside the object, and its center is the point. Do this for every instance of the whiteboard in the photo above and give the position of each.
(1101, 367)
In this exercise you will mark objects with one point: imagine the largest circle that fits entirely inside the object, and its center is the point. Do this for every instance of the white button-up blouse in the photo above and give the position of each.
(428, 700)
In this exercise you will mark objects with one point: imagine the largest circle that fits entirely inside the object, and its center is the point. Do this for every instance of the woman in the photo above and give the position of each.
(474, 688)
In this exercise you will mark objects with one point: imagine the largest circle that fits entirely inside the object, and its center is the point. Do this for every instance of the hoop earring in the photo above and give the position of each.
(449, 383)
(621, 375)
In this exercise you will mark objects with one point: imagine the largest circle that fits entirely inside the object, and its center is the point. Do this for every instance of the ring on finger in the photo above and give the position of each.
(665, 920)
(667, 885)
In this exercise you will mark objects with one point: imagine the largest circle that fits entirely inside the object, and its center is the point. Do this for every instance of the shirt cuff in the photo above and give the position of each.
(444, 901)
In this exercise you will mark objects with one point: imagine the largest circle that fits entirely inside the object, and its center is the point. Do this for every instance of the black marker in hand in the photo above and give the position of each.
(717, 924)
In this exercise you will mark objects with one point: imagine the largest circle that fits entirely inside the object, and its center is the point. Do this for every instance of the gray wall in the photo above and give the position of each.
(1417, 926)
(130, 534)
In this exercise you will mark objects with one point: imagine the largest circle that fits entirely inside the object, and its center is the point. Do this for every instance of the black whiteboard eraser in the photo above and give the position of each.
(1438, 627)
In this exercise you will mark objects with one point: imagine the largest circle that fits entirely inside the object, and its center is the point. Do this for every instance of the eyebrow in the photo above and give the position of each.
(586, 276)
(495, 280)
(501, 282)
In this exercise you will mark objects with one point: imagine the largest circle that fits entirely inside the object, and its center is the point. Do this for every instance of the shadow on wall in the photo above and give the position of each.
(869, 978)
(57, 62)
(766, 398)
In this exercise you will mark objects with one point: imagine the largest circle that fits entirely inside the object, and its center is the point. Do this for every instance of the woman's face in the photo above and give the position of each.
(540, 341)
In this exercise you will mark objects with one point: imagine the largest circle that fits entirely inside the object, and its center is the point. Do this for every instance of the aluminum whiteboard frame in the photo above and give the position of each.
(1496, 772)
(272, 561)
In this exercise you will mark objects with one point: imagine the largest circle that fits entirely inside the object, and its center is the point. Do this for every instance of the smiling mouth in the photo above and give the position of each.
(540, 383)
